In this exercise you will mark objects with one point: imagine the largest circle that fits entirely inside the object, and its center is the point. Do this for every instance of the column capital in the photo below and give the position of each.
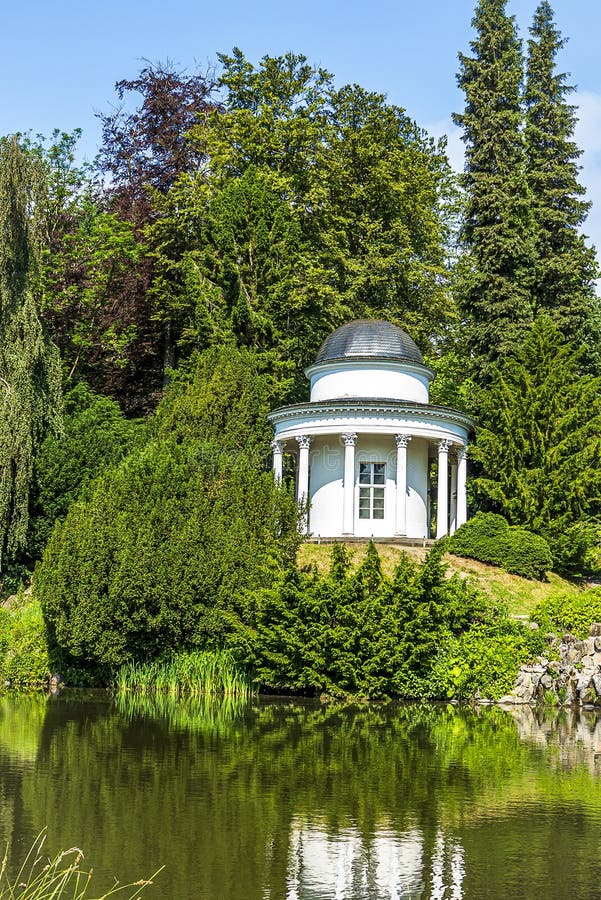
(461, 451)
(349, 438)
(402, 440)
(303, 441)
(278, 446)
(444, 446)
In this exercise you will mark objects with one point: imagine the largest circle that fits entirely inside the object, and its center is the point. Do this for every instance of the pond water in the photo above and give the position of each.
(296, 800)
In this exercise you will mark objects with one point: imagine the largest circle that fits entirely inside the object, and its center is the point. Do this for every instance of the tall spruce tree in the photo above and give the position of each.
(495, 281)
(30, 376)
(565, 266)
(538, 452)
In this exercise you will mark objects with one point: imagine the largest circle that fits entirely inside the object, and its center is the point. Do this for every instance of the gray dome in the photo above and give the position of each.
(369, 339)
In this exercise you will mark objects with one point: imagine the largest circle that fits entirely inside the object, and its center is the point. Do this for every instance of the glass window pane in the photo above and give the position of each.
(363, 513)
(364, 473)
(379, 502)
(379, 493)
(379, 478)
(378, 513)
(379, 468)
(364, 493)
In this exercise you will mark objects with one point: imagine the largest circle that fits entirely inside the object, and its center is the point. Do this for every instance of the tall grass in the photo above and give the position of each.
(60, 878)
(192, 674)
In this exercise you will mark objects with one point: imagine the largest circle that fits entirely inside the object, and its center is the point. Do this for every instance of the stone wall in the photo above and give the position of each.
(574, 678)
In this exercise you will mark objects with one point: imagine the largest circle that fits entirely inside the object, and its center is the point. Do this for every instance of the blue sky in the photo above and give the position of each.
(59, 60)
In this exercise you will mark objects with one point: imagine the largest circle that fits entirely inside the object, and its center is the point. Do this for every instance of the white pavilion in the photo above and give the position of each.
(365, 441)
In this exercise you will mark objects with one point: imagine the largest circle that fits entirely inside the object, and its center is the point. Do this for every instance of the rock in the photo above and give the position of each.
(597, 644)
(595, 629)
(533, 626)
(596, 682)
(546, 682)
(589, 697)
(582, 685)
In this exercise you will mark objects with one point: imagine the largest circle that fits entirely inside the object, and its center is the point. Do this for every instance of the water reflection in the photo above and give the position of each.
(292, 800)
(387, 866)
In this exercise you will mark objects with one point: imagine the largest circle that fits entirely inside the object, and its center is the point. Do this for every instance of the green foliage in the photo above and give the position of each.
(30, 381)
(357, 632)
(489, 538)
(96, 436)
(159, 556)
(24, 657)
(482, 661)
(569, 612)
(565, 267)
(318, 206)
(194, 674)
(495, 276)
(538, 448)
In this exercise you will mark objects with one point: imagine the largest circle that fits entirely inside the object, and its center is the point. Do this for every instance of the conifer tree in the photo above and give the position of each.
(565, 266)
(30, 377)
(538, 454)
(494, 287)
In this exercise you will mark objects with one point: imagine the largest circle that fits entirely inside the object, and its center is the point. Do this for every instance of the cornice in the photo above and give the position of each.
(370, 362)
(323, 408)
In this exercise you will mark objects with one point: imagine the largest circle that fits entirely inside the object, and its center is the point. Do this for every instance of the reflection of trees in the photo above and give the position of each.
(21, 721)
(220, 794)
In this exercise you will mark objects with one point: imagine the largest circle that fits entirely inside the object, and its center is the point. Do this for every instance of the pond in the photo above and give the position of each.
(293, 799)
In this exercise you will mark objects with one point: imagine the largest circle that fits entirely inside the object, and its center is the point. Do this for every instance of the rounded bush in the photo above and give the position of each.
(490, 539)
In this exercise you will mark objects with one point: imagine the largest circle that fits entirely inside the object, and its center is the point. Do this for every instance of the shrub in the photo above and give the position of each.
(96, 436)
(23, 645)
(161, 555)
(490, 539)
(358, 632)
(569, 612)
(482, 660)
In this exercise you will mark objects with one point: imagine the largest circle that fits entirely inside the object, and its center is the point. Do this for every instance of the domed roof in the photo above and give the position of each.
(369, 339)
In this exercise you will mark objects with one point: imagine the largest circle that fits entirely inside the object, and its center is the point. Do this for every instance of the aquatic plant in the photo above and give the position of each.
(45, 878)
(195, 673)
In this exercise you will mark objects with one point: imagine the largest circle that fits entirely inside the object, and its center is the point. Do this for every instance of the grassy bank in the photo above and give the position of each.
(519, 595)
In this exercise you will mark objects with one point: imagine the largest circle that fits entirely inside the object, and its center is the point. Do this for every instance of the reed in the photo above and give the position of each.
(59, 878)
(192, 674)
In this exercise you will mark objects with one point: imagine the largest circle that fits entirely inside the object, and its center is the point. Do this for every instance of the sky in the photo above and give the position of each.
(59, 60)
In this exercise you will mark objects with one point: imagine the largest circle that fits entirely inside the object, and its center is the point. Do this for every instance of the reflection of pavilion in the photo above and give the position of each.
(389, 866)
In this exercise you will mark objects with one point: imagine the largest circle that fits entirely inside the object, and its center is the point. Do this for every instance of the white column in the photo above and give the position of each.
(453, 526)
(461, 486)
(348, 498)
(302, 489)
(278, 460)
(401, 483)
(442, 513)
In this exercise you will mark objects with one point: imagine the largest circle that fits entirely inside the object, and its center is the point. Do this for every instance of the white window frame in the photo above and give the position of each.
(372, 488)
